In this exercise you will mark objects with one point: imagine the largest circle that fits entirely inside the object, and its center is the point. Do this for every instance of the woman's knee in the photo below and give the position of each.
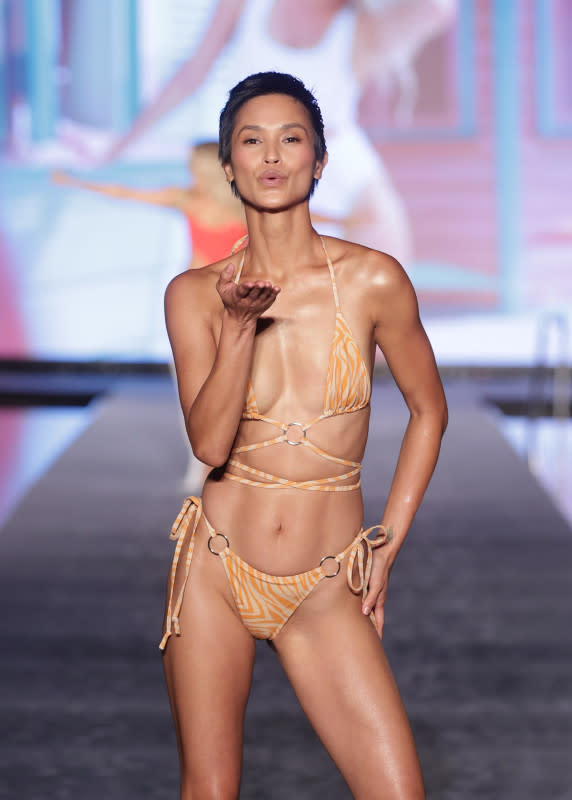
(389, 787)
(215, 784)
(411, 790)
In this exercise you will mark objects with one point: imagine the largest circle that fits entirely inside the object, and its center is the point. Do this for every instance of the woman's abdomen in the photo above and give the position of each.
(282, 531)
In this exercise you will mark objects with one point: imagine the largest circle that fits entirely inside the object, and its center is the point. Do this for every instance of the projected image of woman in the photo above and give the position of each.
(339, 49)
(215, 221)
(274, 352)
(215, 218)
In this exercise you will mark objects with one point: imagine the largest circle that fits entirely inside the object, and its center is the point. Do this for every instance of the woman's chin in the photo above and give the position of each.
(275, 203)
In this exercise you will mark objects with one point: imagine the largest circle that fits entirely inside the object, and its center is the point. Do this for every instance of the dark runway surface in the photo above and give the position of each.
(478, 630)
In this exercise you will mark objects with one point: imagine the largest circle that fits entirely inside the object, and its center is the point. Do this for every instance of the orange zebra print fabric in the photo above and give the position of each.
(265, 602)
(348, 389)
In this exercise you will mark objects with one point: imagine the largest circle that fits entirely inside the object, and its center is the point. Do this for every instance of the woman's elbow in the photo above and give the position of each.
(434, 418)
(210, 453)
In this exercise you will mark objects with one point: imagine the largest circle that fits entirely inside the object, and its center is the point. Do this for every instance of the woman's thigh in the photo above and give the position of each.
(335, 661)
(208, 669)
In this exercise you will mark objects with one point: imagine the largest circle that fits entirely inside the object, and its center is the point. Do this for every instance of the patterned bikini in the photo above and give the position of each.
(266, 602)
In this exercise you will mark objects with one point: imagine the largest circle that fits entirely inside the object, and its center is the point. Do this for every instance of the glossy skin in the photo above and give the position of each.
(329, 649)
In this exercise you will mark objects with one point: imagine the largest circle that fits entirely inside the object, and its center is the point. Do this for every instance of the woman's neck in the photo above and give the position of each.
(280, 242)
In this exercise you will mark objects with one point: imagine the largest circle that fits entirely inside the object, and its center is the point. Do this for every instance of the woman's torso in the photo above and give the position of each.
(213, 242)
(286, 530)
(214, 227)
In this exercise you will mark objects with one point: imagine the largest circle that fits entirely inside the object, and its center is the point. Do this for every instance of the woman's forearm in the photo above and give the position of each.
(415, 466)
(181, 85)
(170, 196)
(188, 77)
(213, 419)
(108, 189)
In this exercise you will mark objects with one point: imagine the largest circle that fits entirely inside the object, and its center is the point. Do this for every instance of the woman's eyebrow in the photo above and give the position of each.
(286, 126)
(289, 125)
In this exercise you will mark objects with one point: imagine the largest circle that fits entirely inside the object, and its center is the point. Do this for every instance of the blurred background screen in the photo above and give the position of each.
(448, 124)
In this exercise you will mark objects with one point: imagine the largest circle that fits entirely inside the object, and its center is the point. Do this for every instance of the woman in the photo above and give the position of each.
(215, 221)
(215, 218)
(274, 353)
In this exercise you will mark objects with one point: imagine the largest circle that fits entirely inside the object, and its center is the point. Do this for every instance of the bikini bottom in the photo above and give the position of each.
(265, 602)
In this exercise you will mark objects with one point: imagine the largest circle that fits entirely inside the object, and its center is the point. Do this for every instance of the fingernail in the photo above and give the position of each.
(366, 610)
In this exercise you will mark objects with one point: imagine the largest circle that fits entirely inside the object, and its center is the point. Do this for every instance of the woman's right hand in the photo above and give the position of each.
(245, 302)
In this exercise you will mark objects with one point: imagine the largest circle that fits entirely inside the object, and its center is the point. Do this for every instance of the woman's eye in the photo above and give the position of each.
(250, 141)
(292, 139)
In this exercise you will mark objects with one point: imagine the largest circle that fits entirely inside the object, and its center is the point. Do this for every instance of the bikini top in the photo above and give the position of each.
(347, 390)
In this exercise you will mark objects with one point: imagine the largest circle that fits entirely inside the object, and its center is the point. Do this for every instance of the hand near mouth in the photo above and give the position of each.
(247, 301)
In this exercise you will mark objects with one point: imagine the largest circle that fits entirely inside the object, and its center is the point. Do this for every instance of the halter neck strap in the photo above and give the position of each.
(330, 267)
(240, 266)
(332, 276)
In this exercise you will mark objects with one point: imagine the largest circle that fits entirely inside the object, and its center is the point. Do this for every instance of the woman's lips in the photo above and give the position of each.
(272, 178)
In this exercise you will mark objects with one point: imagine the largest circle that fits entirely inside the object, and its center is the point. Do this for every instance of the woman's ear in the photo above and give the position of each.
(228, 172)
(320, 166)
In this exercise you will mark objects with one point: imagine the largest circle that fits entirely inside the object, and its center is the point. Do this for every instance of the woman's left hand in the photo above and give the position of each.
(377, 588)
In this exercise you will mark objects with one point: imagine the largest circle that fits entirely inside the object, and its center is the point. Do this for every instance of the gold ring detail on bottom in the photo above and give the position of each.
(214, 552)
(333, 574)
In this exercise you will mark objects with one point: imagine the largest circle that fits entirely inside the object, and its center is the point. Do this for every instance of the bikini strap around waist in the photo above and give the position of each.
(361, 549)
(294, 434)
(249, 448)
(271, 481)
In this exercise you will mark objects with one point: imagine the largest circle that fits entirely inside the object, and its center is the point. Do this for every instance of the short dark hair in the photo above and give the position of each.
(263, 83)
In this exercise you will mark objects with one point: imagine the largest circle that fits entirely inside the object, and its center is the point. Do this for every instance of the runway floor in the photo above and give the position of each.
(478, 630)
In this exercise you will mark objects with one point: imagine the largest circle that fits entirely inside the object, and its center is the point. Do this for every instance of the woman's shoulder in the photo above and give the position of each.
(197, 287)
(371, 282)
(359, 265)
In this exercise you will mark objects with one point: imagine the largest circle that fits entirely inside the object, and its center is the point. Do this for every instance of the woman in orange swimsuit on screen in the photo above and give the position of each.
(274, 353)
(215, 218)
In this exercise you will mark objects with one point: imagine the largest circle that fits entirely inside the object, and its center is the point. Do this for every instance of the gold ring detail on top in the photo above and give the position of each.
(330, 574)
(301, 432)
(215, 536)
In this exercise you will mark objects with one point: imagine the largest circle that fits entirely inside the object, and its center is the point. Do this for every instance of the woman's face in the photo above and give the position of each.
(272, 153)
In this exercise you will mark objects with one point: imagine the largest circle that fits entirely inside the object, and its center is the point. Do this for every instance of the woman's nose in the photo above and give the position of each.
(271, 156)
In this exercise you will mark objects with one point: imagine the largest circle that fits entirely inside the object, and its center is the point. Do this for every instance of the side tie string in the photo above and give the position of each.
(364, 563)
(192, 507)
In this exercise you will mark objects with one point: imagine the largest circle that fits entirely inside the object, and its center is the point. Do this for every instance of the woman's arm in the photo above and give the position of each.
(389, 36)
(400, 335)
(188, 76)
(170, 196)
(213, 379)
